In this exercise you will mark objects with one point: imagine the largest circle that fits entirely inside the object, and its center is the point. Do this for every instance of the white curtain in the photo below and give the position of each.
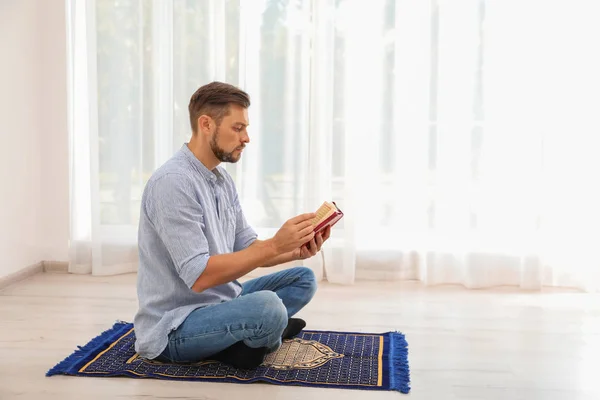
(460, 138)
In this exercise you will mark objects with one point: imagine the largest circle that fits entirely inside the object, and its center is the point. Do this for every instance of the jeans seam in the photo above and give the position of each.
(200, 335)
(288, 280)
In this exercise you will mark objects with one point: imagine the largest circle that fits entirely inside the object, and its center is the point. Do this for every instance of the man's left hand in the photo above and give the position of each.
(311, 248)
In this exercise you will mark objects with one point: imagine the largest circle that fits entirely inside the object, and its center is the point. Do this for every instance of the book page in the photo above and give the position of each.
(323, 212)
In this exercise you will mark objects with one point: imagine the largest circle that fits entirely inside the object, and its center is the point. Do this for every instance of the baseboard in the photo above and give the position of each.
(21, 275)
(61, 267)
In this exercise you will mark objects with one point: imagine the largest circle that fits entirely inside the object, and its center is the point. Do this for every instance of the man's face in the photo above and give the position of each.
(230, 137)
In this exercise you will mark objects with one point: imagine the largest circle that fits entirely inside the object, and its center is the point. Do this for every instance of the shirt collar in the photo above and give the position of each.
(213, 176)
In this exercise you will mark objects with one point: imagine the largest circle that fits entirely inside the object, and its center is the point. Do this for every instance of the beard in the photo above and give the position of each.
(220, 153)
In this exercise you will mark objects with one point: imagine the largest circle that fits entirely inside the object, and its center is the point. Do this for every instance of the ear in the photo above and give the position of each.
(205, 124)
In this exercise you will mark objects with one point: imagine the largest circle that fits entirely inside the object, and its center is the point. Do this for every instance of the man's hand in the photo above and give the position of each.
(294, 233)
(311, 248)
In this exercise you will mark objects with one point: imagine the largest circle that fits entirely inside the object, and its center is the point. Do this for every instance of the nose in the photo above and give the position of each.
(245, 138)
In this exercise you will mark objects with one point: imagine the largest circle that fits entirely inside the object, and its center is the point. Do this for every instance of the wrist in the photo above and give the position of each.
(291, 256)
(270, 248)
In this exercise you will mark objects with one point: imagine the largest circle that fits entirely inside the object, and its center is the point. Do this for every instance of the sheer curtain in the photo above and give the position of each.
(458, 137)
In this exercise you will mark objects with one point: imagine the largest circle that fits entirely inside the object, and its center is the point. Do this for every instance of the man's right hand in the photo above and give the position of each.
(294, 233)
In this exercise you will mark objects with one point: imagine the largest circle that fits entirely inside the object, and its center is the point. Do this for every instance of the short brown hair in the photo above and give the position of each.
(213, 99)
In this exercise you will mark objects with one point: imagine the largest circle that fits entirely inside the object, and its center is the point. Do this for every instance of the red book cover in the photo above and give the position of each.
(327, 215)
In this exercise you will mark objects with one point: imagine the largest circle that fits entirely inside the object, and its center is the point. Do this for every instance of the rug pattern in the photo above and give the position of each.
(313, 358)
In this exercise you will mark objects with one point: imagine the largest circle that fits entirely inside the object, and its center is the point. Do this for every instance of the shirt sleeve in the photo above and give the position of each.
(178, 220)
(244, 234)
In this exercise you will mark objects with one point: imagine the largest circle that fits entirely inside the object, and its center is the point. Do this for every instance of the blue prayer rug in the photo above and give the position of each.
(348, 360)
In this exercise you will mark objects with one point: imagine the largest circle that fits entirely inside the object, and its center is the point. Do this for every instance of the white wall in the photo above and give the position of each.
(54, 158)
(34, 201)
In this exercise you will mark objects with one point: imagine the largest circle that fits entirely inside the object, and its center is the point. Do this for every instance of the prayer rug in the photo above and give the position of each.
(348, 360)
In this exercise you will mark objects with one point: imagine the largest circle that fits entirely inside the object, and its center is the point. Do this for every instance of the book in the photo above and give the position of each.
(327, 215)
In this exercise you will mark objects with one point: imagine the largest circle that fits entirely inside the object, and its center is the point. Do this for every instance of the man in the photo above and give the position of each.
(194, 243)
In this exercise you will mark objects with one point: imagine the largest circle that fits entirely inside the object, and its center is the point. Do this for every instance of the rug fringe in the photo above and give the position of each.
(86, 353)
(400, 377)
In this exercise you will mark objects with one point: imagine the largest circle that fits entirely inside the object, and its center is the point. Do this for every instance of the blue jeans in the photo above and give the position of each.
(257, 317)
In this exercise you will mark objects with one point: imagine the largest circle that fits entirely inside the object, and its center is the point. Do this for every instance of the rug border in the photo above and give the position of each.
(396, 377)
(84, 354)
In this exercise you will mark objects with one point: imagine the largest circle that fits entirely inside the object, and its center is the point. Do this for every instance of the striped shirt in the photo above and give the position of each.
(188, 213)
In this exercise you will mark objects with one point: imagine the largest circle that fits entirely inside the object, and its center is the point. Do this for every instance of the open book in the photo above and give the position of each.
(327, 214)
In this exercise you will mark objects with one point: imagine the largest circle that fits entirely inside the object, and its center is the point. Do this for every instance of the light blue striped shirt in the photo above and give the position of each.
(188, 213)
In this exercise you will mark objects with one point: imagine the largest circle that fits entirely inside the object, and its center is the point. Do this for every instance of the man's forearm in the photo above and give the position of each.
(277, 259)
(223, 268)
(280, 259)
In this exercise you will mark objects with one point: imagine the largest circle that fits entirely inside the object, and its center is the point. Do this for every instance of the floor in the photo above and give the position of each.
(491, 344)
